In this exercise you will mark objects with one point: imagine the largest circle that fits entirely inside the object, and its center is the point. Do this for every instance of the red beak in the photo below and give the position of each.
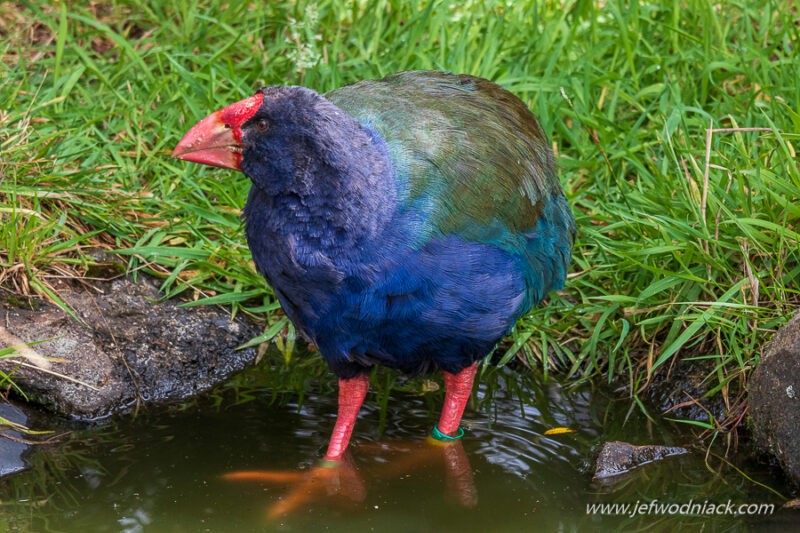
(217, 139)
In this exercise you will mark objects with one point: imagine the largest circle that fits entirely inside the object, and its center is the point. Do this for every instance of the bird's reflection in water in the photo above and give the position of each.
(345, 481)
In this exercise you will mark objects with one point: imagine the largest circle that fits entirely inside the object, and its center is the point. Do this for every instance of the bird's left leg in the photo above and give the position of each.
(351, 395)
(458, 387)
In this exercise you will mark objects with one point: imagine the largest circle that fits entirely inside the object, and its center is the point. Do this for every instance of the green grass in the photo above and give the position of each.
(675, 124)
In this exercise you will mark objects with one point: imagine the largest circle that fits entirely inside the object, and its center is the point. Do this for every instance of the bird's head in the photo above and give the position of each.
(277, 116)
(271, 137)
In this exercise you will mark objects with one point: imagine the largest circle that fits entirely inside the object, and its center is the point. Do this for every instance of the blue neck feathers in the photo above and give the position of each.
(323, 186)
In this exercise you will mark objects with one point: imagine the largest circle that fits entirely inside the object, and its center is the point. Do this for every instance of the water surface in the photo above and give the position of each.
(165, 471)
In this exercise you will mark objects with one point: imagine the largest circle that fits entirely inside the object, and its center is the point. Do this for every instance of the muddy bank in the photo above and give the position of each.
(770, 404)
(774, 399)
(127, 348)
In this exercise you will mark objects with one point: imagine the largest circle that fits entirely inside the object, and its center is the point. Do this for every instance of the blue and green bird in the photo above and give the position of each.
(407, 222)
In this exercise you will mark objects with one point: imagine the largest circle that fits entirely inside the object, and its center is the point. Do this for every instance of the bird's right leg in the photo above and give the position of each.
(351, 395)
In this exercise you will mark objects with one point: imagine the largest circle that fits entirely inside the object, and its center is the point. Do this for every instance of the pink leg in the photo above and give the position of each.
(351, 396)
(457, 388)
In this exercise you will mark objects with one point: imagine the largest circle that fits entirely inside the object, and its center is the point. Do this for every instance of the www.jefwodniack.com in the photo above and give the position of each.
(691, 507)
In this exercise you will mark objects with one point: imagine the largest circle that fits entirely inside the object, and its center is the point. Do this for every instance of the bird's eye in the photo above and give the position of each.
(262, 125)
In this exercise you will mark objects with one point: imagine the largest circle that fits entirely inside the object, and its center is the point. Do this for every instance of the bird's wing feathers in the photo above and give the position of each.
(455, 159)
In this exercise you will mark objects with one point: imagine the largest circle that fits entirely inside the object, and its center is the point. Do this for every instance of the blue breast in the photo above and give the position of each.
(442, 305)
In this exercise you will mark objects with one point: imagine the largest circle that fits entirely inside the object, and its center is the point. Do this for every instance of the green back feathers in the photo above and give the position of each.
(466, 151)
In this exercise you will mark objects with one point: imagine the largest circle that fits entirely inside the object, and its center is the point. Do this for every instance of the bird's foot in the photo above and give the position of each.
(340, 480)
(328, 479)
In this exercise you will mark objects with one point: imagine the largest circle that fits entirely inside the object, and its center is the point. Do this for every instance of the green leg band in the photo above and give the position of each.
(329, 463)
(438, 435)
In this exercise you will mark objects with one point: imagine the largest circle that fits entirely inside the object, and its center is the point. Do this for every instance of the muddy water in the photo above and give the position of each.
(170, 471)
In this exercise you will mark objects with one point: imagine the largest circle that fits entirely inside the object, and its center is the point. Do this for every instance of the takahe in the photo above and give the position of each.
(407, 222)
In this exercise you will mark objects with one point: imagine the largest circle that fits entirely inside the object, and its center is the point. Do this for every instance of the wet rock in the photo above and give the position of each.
(774, 399)
(618, 457)
(12, 448)
(127, 349)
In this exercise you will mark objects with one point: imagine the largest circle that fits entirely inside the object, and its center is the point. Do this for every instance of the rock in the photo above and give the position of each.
(129, 349)
(621, 457)
(774, 399)
(12, 448)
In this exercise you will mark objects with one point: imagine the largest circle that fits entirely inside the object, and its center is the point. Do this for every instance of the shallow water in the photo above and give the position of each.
(163, 472)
